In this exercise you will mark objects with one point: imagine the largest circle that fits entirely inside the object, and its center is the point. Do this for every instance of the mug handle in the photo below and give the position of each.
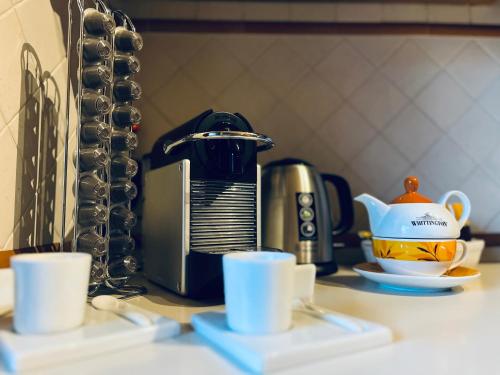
(462, 256)
(465, 203)
(303, 284)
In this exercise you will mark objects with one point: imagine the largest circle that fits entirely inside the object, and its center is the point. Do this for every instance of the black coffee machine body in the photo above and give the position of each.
(201, 200)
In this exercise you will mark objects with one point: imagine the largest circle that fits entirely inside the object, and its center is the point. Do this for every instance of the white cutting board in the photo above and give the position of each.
(102, 332)
(309, 340)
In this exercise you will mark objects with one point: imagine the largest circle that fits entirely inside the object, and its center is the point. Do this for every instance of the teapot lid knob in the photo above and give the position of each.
(411, 196)
(411, 184)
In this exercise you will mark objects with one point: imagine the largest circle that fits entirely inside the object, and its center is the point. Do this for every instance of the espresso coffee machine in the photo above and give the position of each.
(201, 200)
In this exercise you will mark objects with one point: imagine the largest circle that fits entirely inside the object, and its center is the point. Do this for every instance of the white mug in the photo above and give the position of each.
(50, 292)
(259, 289)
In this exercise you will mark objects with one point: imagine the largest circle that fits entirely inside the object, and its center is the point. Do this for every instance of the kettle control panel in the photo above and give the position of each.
(306, 217)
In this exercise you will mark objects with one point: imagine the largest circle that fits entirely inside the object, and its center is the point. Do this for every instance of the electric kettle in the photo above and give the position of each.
(296, 214)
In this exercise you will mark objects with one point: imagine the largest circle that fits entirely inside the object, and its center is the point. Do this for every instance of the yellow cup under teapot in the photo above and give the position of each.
(418, 257)
(432, 250)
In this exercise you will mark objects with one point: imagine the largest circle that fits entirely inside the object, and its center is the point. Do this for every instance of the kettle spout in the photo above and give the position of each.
(376, 209)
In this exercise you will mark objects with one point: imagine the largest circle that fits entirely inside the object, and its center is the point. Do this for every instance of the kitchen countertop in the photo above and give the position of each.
(437, 333)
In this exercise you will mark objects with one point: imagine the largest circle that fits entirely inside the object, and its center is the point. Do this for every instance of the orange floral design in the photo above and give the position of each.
(436, 251)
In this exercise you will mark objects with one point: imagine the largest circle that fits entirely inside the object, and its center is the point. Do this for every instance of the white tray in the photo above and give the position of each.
(310, 339)
(102, 332)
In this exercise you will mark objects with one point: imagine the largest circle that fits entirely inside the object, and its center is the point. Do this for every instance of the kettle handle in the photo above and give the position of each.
(345, 203)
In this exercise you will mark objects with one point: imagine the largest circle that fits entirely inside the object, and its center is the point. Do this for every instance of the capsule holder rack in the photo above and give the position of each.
(126, 23)
(104, 284)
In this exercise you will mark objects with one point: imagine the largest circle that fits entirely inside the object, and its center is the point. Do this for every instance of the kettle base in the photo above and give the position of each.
(323, 269)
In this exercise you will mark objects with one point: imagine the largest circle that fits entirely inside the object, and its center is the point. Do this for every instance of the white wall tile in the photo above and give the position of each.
(494, 225)
(182, 9)
(36, 15)
(5, 5)
(220, 10)
(376, 50)
(153, 125)
(474, 69)
(441, 49)
(262, 11)
(412, 133)
(443, 100)
(10, 193)
(152, 74)
(15, 89)
(490, 45)
(445, 165)
(213, 69)
(359, 12)
(178, 9)
(246, 47)
(345, 68)
(313, 12)
(485, 14)
(410, 68)
(477, 132)
(448, 13)
(404, 13)
(181, 47)
(312, 48)
(181, 99)
(279, 68)
(489, 99)
(378, 100)
(285, 127)
(483, 209)
(380, 165)
(249, 96)
(313, 99)
(492, 164)
(316, 151)
(347, 132)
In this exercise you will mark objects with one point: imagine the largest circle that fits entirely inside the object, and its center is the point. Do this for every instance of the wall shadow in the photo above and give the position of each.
(36, 154)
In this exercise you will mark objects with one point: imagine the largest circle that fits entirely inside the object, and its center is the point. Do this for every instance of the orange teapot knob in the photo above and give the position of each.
(411, 195)
(411, 184)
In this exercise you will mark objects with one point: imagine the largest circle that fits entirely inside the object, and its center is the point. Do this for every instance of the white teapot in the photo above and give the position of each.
(413, 215)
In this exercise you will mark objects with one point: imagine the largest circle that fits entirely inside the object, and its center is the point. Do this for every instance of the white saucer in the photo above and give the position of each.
(456, 277)
(309, 340)
(102, 332)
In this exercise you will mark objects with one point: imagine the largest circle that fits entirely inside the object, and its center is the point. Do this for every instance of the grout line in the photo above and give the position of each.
(4, 12)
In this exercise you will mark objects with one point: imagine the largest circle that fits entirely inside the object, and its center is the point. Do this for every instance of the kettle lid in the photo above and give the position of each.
(411, 195)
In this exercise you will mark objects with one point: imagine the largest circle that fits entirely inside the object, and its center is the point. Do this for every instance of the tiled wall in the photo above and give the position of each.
(483, 12)
(32, 104)
(371, 108)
